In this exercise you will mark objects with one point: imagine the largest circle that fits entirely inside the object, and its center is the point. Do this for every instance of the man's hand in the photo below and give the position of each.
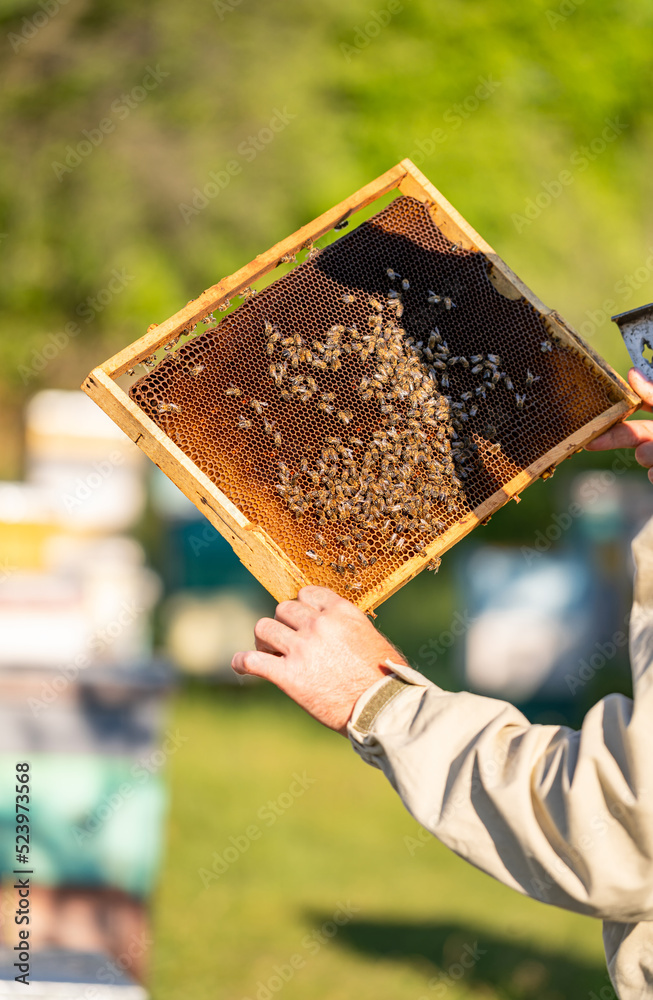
(322, 651)
(636, 434)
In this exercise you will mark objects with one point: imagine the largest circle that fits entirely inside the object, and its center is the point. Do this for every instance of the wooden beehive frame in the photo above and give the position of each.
(254, 547)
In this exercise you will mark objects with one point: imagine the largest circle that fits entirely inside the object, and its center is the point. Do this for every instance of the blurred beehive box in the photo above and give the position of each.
(352, 420)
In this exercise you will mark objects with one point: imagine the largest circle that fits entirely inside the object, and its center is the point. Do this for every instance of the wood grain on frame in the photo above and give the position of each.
(251, 543)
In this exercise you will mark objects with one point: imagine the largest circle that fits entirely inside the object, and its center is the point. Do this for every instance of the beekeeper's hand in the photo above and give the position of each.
(636, 434)
(322, 651)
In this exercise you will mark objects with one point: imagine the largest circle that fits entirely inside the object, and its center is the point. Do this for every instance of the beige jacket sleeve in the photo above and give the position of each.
(563, 816)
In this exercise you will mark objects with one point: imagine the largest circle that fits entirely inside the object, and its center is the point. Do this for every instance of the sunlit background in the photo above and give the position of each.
(195, 835)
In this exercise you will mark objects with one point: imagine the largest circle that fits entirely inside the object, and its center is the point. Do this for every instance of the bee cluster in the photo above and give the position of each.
(367, 401)
(405, 481)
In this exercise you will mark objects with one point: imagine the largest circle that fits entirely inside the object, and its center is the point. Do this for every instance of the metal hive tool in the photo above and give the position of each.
(368, 408)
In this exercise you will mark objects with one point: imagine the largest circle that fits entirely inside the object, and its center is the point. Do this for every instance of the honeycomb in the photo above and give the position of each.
(363, 403)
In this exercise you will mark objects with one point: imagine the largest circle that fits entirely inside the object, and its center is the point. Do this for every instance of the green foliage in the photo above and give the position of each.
(361, 96)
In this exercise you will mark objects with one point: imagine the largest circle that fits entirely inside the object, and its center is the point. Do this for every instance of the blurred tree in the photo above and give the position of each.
(115, 117)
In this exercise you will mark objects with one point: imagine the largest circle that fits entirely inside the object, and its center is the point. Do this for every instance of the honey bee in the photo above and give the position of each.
(405, 284)
(508, 382)
(286, 396)
(197, 370)
(375, 304)
(473, 410)
(257, 405)
(355, 585)
(448, 304)
(269, 350)
(232, 390)
(530, 378)
(247, 292)
(494, 359)
(348, 298)
(495, 448)
(277, 439)
(224, 305)
(168, 407)
(434, 564)
(341, 225)
(393, 275)
(433, 298)
(268, 426)
(545, 346)
(520, 400)
(312, 254)
(243, 423)
(313, 556)
(319, 363)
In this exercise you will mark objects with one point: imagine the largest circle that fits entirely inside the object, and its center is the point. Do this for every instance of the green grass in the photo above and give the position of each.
(414, 907)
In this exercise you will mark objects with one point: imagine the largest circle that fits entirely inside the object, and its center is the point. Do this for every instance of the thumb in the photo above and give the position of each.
(258, 664)
(642, 387)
